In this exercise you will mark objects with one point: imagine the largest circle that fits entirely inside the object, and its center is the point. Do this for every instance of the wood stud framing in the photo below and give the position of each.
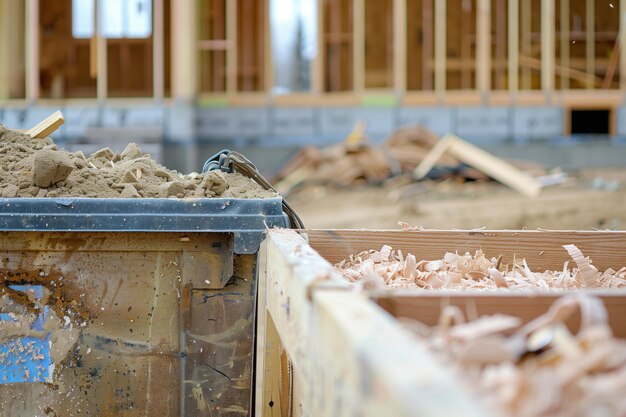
(158, 51)
(622, 43)
(483, 52)
(32, 50)
(513, 33)
(547, 45)
(399, 45)
(519, 44)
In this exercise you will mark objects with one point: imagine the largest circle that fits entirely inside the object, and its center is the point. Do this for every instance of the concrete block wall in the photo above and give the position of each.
(309, 125)
(533, 133)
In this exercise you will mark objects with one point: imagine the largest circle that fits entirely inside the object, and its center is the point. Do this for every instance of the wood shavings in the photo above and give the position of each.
(540, 369)
(474, 272)
(587, 274)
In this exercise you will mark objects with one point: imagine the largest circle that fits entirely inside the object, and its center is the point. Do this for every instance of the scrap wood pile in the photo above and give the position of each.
(388, 268)
(358, 161)
(537, 369)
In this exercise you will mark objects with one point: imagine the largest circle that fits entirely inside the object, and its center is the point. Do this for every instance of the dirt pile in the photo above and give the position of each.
(38, 168)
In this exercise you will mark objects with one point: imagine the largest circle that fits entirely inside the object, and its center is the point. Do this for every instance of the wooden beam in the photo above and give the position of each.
(184, 51)
(350, 357)
(431, 158)
(605, 248)
(231, 53)
(440, 47)
(547, 45)
(564, 41)
(358, 45)
(32, 50)
(426, 306)
(158, 51)
(590, 40)
(622, 41)
(581, 76)
(483, 46)
(47, 126)
(399, 46)
(513, 20)
(483, 161)
(102, 68)
(268, 58)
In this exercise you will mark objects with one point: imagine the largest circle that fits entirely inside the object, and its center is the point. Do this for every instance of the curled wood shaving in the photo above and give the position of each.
(587, 274)
(540, 369)
(474, 271)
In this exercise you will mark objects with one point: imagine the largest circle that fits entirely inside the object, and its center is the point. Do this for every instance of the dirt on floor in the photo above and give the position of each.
(592, 199)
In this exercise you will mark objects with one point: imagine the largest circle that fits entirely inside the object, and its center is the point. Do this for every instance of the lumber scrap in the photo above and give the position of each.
(45, 128)
(483, 161)
(432, 157)
(348, 357)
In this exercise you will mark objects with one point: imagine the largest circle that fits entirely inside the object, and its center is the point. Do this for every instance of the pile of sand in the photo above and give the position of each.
(38, 168)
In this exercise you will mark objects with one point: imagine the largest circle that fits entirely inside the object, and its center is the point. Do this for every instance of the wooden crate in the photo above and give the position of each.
(326, 350)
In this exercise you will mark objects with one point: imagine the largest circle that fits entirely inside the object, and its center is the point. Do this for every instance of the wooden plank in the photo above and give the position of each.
(158, 51)
(622, 41)
(435, 154)
(483, 46)
(483, 161)
(184, 52)
(590, 41)
(495, 167)
(32, 50)
(543, 249)
(581, 76)
(564, 39)
(102, 68)
(547, 45)
(399, 46)
(440, 47)
(426, 306)
(45, 128)
(613, 63)
(268, 350)
(351, 358)
(358, 46)
(513, 19)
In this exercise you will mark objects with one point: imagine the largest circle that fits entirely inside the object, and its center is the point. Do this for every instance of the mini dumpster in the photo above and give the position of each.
(326, 347)
(129, 307)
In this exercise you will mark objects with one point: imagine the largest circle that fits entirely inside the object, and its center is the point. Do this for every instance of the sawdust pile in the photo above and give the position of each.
(38, 168)
(387, 268)
(537, 369)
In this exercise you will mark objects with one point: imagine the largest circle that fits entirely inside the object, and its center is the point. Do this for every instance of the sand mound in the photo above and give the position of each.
(38, 168)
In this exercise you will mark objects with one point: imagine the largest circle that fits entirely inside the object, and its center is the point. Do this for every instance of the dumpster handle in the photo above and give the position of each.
(231, 161)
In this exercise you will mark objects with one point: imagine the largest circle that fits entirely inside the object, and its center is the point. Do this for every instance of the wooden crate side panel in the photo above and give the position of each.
(349, 357)
(542, 249)
(426, 307)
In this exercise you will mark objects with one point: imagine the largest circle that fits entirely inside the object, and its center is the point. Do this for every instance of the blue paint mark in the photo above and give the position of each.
(26, 358)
